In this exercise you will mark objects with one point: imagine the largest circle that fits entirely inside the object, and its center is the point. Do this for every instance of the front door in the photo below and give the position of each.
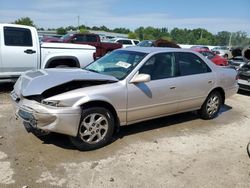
(19, 52)
(156, 97)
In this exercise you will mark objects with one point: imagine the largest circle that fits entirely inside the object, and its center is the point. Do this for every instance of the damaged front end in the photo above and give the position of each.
(37, 116)
(31, 98)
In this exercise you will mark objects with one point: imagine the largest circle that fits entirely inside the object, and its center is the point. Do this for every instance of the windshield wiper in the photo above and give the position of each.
(91, 70)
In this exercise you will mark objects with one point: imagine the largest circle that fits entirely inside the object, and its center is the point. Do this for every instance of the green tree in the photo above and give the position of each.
(178, 35)
(71, 28)
(61, 31)
(132, 35)
(240, 38)
(203, 41)
(222, 38)
(83, 31)
(121, 30)
(25, 21)
(139, 32)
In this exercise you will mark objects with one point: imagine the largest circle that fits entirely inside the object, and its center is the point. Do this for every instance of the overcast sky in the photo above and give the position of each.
(213, 15)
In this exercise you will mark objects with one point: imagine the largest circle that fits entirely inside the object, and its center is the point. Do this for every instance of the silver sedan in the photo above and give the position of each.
(124, 87)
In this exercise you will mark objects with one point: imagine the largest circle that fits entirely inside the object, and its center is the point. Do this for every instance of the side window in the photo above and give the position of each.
(210, 55)
(91, 38)
(160, 66)
(190, 63)
(136, 42)
(80, 38)
(17, 36)
(124, 41)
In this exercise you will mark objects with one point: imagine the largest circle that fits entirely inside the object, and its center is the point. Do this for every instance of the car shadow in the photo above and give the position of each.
(63, 141)
(224, 108)
(6, 87)
(58, 140)
(243, 92)
(155, 124)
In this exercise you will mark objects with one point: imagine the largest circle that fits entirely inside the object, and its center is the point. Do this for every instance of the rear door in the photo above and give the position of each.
(195, 80)
(19, 52)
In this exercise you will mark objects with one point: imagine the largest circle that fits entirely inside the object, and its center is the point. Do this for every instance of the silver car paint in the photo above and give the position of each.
(36, 82)
(139, 102)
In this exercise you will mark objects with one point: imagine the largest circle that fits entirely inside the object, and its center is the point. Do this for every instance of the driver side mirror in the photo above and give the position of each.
(139, 78)
(73, 40)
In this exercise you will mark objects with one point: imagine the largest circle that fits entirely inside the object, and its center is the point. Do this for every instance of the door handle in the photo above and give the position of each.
(29, 51)
(172, 87)
(210, 81)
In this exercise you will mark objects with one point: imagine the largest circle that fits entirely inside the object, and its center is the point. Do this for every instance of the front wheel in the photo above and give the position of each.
(211, 106)
(95, 130)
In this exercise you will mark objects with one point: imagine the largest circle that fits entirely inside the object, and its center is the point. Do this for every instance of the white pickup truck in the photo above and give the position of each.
(20, 50)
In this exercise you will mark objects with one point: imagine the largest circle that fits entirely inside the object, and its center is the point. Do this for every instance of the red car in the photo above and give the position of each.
(87, 38)
(218, 60)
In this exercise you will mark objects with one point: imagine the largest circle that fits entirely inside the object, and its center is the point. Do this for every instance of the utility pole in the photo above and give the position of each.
(78, 21)
(230, 39)
(201, 34)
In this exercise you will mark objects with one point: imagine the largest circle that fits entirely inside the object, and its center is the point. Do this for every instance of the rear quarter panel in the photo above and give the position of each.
(226, 79)
(83, 53)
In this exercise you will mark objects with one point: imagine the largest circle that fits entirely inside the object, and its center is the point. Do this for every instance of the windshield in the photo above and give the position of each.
(146, 43)
(66, 36)
(118, 63)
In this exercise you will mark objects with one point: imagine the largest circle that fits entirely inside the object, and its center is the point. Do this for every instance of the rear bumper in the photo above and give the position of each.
(63, 120)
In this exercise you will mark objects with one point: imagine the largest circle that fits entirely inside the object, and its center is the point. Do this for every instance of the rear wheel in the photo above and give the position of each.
(211, 106)
(95, 130)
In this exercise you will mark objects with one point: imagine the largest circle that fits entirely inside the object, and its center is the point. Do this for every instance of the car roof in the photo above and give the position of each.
(200, 50)
(154, 49)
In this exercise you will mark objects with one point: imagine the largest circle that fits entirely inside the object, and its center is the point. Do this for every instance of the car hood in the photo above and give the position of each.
(36, 82)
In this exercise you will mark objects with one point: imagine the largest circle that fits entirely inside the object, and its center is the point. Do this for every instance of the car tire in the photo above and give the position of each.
(211, 106)
(95, 130)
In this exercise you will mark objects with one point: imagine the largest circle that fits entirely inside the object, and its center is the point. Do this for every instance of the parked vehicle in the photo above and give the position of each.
(244, 70)
(125, 42)
(20, 51)
(222, 51)
(218, 60)
(124, 87)
(91, 39)
(158, 43)
(244, 77)
(236, 62)
(49, 38)
(199, 47)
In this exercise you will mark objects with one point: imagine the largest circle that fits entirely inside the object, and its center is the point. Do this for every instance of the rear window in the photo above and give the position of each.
(17, 36)
(125, 41)
(190, 64)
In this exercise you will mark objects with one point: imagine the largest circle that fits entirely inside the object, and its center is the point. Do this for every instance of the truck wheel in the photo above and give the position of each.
(211, 106)
(95, 130)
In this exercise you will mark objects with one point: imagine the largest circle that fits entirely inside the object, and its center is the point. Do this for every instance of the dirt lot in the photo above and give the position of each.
(175, 151)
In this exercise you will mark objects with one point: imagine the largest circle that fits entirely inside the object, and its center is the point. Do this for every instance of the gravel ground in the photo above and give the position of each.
(175, 151)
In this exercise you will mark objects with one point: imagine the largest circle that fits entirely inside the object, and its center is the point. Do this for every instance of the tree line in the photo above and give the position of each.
(197, 36)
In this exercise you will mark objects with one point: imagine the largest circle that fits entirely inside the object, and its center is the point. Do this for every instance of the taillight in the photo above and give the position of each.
(237, 77)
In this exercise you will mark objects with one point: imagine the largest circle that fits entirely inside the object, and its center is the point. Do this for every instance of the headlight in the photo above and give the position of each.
(53, 103)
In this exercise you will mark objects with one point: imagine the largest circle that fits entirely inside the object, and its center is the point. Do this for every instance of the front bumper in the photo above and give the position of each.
(64, 120)
(244, 84)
